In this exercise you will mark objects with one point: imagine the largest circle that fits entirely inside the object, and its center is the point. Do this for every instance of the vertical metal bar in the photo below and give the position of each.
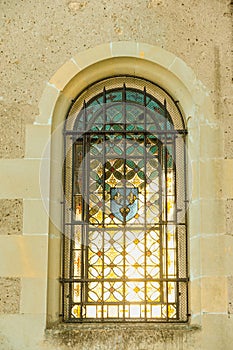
(145, 200)
(87, 216)
(166, 207)
(83, 235)
(103, 198)
(64, 228)
(124, 178)
(186, 219)
(71, 228)
(176, 224)
(86, 208)
(161, 214)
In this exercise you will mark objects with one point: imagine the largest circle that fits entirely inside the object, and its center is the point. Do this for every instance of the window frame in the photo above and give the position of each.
(183, 132)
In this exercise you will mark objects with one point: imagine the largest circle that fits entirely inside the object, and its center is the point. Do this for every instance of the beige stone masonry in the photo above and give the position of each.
(230, 294)
(32, 301)
(63, 76)
(227, 183)
(19, 258)
(229, 218)
(146, 57)
(37, 137)
(11, 216)
(154, 53)
(91, 56)
(35, 220)
(212, 250)
(212, 216)
(214, 335)
(25, 331)
(10, 289)
(211, 137)
(211, 178)
(47, 104)
(214, 294)
(195, 257)
(177, 78)
(19, 178)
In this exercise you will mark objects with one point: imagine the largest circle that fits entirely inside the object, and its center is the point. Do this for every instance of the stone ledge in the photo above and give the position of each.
(116, 336)
(60, 328)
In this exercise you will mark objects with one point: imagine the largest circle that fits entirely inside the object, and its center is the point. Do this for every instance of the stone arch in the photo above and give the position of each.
(136, 59)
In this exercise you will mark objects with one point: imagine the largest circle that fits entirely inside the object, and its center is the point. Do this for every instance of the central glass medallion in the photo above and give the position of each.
(124, 203)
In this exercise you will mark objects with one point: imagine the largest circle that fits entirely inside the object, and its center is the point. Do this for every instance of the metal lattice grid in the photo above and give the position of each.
(125, 244)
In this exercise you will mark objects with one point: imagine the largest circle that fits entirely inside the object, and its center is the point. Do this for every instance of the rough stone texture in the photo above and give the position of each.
(229, 217)
(38, 37)
(11, 216)
(9, 295)
(13, 118)
(228, 133)
(136, 337)
(230, 294)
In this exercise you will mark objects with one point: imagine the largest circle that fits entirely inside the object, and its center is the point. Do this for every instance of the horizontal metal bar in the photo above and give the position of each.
(127, 132)
(82, 223)
(79, 280)
(125, 320)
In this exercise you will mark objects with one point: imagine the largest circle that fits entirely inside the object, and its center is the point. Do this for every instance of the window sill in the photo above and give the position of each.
(86, 335)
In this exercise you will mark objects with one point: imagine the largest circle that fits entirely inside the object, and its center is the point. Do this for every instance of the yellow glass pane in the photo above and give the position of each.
(76, 311)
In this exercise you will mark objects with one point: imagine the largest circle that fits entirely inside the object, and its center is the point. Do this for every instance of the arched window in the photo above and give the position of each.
(124, 241)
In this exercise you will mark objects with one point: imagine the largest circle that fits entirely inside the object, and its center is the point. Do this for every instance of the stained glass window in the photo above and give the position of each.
(124, 239)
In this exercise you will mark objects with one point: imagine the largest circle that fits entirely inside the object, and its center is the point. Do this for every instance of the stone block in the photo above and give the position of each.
(19, 178)
(195, 296)
(213, 333)
(228, 137)
(195, 257)
(9, 295)
(33, 296)
(185, 73)
(47, 104)
(212, 257)
(23, 256)
(214, 294)
(23, 331)
(227, 183)
(11, 216)
(124, 48)
(230, 294)
(12, 122)
(211, 178)
(64, 74)
(37, 138)
(35, 220)
(91, 56)
(212, 219)
(229, 217)
(211, 141)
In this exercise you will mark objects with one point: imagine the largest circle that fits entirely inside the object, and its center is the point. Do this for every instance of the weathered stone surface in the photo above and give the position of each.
(122, 337)
(229, 217)
(230, 294)
(9, 295)
(75, 25)
(228, 135)
(11, 216)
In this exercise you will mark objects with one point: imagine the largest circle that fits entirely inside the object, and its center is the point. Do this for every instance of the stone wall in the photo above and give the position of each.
(37, 38)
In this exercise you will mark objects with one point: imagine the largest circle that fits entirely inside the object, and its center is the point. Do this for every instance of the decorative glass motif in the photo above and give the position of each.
(125, 263)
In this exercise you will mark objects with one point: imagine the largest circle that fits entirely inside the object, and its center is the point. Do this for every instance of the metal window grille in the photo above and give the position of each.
(125, 232)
